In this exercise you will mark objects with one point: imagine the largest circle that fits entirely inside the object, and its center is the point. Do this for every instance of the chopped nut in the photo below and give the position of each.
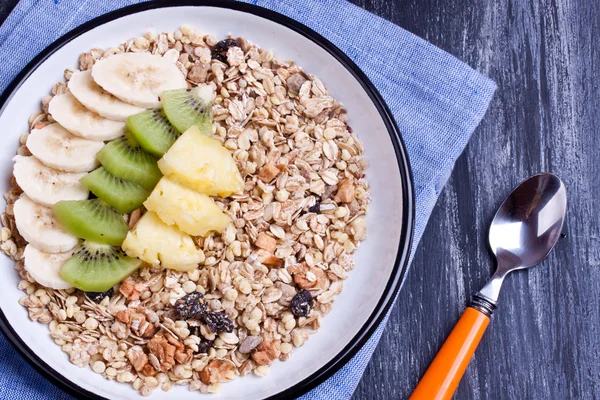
(123, 316)
(218, 371)
(149, 370)
(266, 242)
(309, 278)
(268, 172)
(184, 357)
(130, 290)
(137, 357)
(345, 192)
(268, 258)
(250, 343)
(147, 330)
(134, 217)
(295, 82)
(164, 351)
(266, 352)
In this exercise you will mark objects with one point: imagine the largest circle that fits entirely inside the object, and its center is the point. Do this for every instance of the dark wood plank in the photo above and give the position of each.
(6, 7)
(544, 341)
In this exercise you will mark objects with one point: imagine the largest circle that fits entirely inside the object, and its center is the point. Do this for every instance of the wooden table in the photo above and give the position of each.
(544, 342)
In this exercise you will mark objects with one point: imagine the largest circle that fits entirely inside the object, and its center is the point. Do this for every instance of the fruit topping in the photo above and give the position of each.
(316, 208)
(190, 306)
(40, 228)
(204, 345)
(218, 322)
(92, 220)
(74, 117)
(96, 99)
(98, 267)
(46, 185)
(187, 107)
(55, 147)
(202, 164)
(194, 213)
(124, 196)
(301, 303)
(99, 296)
(219, 52)
(153, 131)
(159, 244)
(129, 162)
(138, 78)
(45, 267)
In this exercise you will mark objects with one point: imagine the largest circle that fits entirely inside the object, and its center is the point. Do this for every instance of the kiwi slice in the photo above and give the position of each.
(96, 267)
(122, 195)
(92, 220)
(153, 131)
(187, 107)
(129, 162)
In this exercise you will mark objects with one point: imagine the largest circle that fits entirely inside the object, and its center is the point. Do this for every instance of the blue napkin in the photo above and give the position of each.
(436, 100)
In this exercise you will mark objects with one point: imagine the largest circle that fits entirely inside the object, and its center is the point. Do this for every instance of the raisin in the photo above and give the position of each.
(204, 345)
(190, 306)
(218, 322)
(316, 208)
(219, 52)
(301, 303)
(99, 296)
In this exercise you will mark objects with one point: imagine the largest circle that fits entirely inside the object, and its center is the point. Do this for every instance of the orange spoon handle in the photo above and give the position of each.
(446, 370)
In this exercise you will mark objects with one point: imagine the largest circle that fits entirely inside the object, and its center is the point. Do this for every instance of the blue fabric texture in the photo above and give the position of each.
(437, 102)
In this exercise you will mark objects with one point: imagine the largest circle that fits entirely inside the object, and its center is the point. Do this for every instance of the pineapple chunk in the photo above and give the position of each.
(202, 164)
(194, 213)
(158, 244)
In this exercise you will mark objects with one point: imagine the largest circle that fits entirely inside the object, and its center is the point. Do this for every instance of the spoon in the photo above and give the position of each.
(524, 230)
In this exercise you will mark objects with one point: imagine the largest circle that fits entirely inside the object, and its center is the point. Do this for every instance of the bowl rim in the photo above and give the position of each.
(402, 256)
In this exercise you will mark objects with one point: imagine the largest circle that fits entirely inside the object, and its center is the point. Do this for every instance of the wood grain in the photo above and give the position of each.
(544, 340)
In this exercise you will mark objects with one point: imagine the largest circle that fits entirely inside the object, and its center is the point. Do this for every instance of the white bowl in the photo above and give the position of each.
(381, 260)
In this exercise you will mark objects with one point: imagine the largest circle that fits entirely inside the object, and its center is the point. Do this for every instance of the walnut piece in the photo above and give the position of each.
(149, 370)
(218, 371)
(146, 330)
(345, 192)
(131, 290)
(137, 357)
(309, 277)
(266, 352)
(164, 351)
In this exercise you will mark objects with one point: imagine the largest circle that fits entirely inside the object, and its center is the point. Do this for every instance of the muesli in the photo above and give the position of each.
(267, 253)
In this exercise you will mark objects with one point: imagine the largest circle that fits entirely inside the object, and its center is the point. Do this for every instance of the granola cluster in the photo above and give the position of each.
(272, 274)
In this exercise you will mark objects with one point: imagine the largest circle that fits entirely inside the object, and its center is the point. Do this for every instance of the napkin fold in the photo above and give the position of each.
(437, 101)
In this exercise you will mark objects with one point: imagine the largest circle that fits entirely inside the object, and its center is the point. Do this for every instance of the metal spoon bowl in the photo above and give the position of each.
(522, 234)
(525, 228)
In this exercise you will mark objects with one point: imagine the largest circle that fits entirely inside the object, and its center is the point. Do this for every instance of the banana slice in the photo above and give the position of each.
(40, 228)
(54, 146)
(45, 267)
(138, 78)
(71, 114)
(83, 87)
(46, 185)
